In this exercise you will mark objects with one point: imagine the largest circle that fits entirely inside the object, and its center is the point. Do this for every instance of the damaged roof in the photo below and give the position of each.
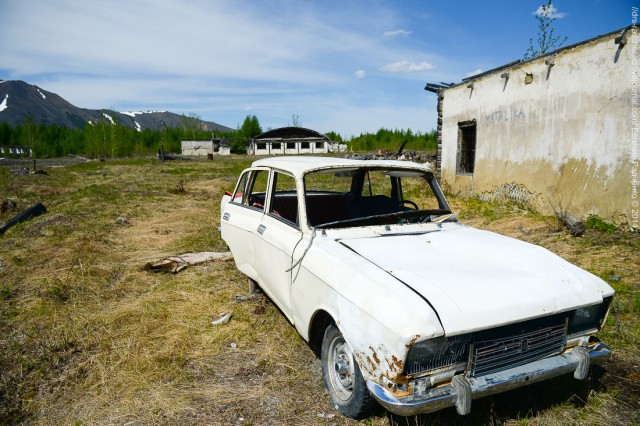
(290, 133)
(435, 87)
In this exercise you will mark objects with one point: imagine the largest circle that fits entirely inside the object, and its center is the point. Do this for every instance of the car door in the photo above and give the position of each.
(242, 216)
(278, 236)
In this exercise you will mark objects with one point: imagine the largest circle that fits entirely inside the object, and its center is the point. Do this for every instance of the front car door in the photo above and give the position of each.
(277, 239)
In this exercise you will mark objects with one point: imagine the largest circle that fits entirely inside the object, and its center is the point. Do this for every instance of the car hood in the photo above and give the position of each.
(477, 279)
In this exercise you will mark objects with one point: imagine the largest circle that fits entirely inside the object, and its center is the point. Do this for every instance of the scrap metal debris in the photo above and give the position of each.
(250, 296)
(575, 226)
(176, 264)
(121, 220)
(222, 319)
(25, 171)
(7, 205)
(32, 211)
(326, 416)
(166, 265)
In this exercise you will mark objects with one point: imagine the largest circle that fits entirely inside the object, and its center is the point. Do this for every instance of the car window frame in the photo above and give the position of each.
(247, 192)
(271, 197)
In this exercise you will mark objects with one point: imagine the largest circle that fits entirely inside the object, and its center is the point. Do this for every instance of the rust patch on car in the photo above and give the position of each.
(398, 363)
(412, 342)
(370, 361)
(375, 355)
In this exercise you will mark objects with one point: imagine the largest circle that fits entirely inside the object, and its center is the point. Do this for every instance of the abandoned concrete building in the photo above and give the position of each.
(214, 146)
(289, 140)
(559, 127)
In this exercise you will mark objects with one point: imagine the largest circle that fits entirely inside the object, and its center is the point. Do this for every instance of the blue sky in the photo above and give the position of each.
(346, 66)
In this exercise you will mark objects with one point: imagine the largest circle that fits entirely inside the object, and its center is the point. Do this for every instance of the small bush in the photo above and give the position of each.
(5, 292)
(595, 222)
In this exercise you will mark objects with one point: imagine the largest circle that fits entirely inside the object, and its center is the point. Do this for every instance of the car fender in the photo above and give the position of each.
(361, 298)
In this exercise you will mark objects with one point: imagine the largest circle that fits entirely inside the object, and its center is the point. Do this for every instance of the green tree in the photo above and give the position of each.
(30, 133)
(334, 136)
(547, 41)
(250, 127)
(192, 125)
(5, 134)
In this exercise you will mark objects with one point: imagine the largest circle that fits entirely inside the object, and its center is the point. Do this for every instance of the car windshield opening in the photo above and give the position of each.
(337, 198)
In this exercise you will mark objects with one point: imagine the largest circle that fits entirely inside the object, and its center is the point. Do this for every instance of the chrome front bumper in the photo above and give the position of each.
(462, 390)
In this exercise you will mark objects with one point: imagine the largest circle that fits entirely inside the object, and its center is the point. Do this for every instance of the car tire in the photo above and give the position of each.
(342, 377)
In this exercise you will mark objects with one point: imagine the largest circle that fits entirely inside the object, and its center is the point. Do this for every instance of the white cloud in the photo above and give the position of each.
(550, 12)
(396, 33)
(477, 71)
(406, 66)
(360, 74)
(136, 55)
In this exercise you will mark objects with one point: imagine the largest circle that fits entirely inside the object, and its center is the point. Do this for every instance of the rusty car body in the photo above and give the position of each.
(406, 306)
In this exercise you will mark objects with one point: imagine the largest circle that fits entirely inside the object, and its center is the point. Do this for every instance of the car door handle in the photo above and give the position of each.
(261, 229)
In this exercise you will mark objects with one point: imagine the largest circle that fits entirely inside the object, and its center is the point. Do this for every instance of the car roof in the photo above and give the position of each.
(301, 164)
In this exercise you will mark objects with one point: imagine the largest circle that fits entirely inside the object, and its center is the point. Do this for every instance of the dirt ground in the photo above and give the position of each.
(89, 337)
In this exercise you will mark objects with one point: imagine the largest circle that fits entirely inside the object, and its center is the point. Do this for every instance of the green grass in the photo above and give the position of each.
(90, 337)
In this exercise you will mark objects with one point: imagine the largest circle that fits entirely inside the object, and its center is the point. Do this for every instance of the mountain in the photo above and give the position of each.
(19, 100)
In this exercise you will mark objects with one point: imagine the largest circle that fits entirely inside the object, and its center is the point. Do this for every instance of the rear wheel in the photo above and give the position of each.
(342, 377)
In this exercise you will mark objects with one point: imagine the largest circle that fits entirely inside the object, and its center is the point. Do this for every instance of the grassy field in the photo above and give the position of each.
(89, 337)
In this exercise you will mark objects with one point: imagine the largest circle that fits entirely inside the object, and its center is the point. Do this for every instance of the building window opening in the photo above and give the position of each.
(291, 145)
(466, 147)
(262, 146)
(319, 145)
(304, 145)
(276, 145)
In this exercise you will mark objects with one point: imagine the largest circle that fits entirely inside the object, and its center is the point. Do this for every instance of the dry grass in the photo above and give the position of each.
(89, 337)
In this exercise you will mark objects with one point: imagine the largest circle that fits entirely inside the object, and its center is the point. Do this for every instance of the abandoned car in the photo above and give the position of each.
(405, 306)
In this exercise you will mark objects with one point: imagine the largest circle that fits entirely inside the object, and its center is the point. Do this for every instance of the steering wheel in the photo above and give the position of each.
(411, 203)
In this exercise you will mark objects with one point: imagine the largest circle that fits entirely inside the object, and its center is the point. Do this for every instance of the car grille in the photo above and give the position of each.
(496, 349)
(493, 355)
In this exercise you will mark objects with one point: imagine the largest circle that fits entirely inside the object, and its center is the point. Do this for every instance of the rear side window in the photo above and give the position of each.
(241, 189)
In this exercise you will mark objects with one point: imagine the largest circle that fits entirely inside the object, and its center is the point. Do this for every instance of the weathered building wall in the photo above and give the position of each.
(289, 146)
(197, 147)
(561, 130)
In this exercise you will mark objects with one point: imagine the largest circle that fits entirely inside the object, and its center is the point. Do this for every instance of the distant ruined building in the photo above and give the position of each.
(213, 146)
(15, 151)
(289, 140)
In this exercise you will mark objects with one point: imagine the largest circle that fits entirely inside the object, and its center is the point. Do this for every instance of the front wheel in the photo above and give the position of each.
(342, 377)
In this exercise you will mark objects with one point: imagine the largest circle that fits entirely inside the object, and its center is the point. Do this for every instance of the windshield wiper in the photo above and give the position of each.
(445, 218)
(382, 219)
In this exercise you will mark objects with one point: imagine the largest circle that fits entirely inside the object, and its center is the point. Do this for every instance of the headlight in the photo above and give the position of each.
(436, 353)
(589, 318)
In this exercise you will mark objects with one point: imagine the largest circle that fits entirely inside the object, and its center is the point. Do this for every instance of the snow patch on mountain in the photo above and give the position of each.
(108, 117)
(41, 94)
(4, 105)
(134, 113)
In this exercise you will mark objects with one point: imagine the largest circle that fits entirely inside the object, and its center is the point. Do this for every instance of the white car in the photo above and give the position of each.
(405, 306)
